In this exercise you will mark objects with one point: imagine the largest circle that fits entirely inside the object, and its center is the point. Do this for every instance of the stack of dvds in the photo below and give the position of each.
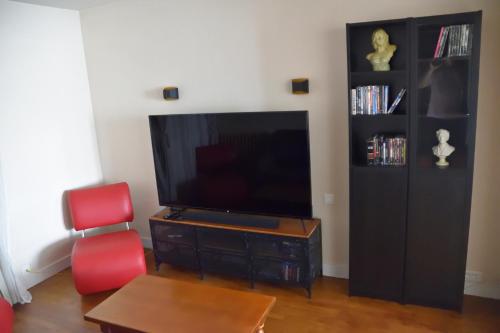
(459, 40)
(370, 100)
(386, 150)
(291, 272)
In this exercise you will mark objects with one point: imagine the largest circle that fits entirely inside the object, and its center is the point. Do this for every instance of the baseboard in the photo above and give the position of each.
(147, 242)
(485, 289)
(338, 271)
(33, 276)
(473, 285)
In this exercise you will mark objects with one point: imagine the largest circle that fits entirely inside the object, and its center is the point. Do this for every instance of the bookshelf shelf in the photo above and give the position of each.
(371, 75)
(380, 167)
(450, 171)
(445, 117)
(409, 223)
(442, 59)
(379, 116)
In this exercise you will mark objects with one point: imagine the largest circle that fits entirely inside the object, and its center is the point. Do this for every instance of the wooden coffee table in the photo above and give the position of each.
(156, 304)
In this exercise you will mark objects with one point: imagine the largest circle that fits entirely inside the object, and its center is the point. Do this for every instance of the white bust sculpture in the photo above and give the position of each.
(443, 149)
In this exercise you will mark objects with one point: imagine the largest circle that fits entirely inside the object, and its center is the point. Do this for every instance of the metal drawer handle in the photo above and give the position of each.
(174, 236)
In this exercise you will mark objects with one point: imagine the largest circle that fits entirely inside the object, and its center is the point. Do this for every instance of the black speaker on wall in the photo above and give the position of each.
(300, 86)
(170, 93)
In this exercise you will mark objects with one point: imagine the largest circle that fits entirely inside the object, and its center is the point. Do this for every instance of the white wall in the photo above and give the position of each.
(234, 55)
(47, 132)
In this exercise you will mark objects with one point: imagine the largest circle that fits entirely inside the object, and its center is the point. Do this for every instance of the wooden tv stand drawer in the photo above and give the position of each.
(289, 254)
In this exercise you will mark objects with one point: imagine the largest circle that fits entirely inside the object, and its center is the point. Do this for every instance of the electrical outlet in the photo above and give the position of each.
(472, 276)
(328, 199)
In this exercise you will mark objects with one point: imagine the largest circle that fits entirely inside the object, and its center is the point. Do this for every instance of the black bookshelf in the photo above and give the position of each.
(409, 224)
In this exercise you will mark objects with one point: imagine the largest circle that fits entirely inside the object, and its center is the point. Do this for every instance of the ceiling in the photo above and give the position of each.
(68, 4)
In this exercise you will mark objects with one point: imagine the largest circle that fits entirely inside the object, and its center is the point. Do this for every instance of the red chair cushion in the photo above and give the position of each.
(100, 206)
(107, 261)
(6, 316)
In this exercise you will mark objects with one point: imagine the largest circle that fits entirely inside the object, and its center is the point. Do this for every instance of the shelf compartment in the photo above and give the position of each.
(221, 240)
(360, 45)
(364, 127)
(428, 36)
(174, 234)
(278, 271)
(176, 254)
(426, 139)
(442, 89)
(278, 248)
(395, 86)
(224, 263)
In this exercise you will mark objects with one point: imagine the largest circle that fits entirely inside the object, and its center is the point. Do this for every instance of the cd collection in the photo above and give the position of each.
(373, 100)
(459, 38)
(386, 150)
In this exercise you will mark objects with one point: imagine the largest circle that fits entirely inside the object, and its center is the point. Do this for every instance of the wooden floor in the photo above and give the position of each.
(57, 307)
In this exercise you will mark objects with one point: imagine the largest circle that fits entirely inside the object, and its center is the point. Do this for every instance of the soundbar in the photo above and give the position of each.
(225, 218)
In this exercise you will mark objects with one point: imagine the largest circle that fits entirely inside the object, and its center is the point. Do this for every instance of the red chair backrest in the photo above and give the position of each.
(100, 206)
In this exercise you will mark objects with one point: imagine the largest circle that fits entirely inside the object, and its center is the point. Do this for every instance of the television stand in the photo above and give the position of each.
(289, 254)
(224, 218)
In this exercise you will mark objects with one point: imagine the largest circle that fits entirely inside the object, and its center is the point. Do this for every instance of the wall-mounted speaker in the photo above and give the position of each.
(170, 93)
(300, 86)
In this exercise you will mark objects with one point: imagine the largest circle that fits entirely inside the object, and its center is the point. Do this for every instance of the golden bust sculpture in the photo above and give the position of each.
(383, 51)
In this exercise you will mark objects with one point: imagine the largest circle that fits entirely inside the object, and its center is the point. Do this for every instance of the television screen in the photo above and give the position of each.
(246, 162)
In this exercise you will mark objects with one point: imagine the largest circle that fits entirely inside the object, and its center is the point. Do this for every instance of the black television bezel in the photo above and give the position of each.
(229, 211)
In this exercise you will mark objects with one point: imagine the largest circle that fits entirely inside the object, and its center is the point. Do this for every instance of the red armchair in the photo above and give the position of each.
(106, 261)
(6, 316)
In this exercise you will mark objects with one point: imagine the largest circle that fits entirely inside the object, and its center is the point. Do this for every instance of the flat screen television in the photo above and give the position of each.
(244, 162)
